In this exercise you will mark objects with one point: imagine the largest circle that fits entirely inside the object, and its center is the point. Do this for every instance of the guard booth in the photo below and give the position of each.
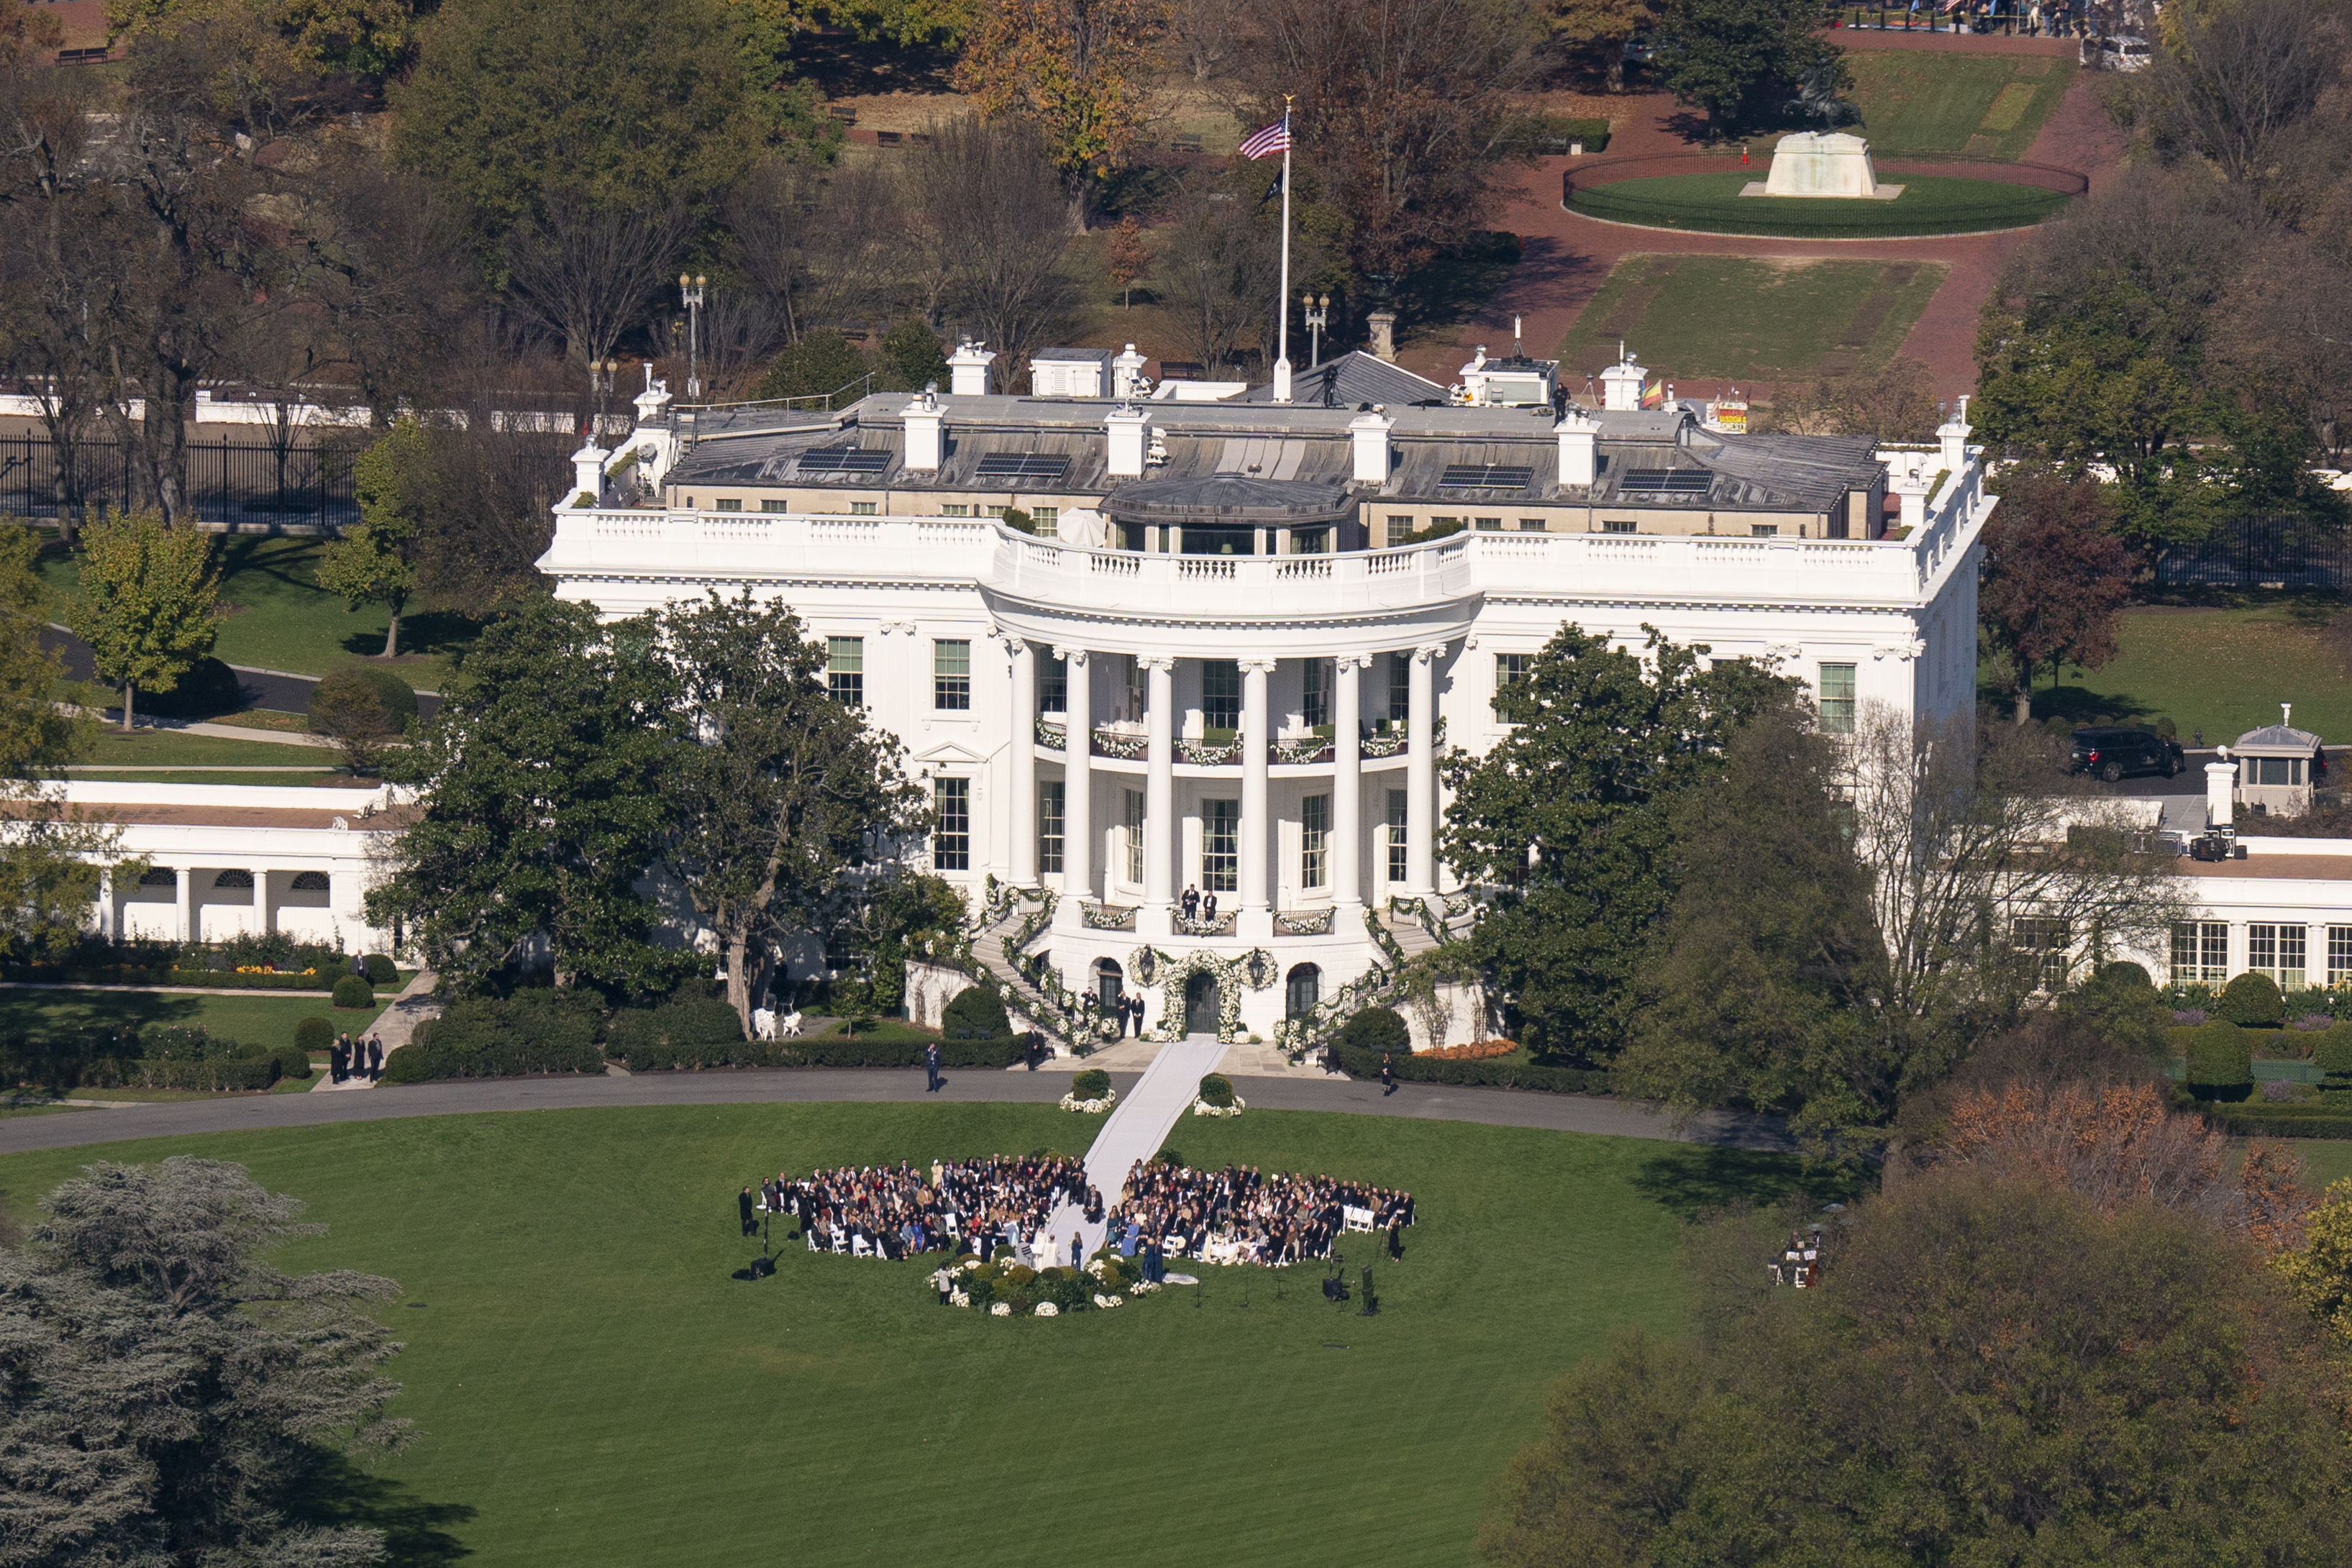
(2278, 768)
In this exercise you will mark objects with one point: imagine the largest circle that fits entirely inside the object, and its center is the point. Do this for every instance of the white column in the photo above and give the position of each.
(1024, 870)
(106, 918)
(1347, 792)
(187, 881)
(1078, 792)
(261, 900)
(1158, 797)
(1256, 920)
(1421, 772)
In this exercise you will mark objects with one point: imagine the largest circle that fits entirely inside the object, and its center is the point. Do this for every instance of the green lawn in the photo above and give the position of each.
(275, 778)
(2223, 671)
(278, 618)
(591, 1382)
(1732, 317)
(166, 749)
(1711, 203)
(267, 1017)
(1989, 105)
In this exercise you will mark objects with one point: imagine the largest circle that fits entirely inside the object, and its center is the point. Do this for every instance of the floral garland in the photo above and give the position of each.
(1194, 925)
(1110, 743)
(1203, 1107)
(1296, 1037)
(1108, 916)
(1230, 973)
(1319, 923)
(1384, 939)
(1203, 755)
(1312, 750)
(1090, 1106)
(1057, 736)
(1383, 745)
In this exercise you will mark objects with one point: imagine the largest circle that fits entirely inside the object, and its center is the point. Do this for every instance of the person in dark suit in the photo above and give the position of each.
(1191, 901)
(1388, 1076)
(338, 1056)
(375, 1057)
(931, 1065)
(744, 1206)
(1208, 907)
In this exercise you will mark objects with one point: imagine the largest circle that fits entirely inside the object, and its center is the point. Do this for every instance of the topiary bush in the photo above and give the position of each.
(974, 1015)
(1376, 1029)
(351, 991)
(293, 1061)
(364, 708)
(533, 1031)
(313, 1035)
(1217, 1090)
(1091, 1084)
(2221, 1061)
(696, 1032)
(2253, 1002)
(381, 970)
(2333, 1052)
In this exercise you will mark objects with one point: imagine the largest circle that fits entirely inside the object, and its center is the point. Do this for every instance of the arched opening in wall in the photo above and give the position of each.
(309, 891)
(1110, 983)
(160, 877)
(1303, 992)
(1201, 1003)
(235, 881)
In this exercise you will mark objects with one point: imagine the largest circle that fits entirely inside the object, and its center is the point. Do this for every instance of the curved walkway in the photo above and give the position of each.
(250, 1113)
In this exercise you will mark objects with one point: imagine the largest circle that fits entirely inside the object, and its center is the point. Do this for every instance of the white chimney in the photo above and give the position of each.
(1371, 434)
(2286, 715)
(1911, 491)
(1126, 423)
(1579, 448)
(588, 471)
(1954, 434)
(924, 418)
(1621, 383)
(2221, 792)
(968, 369)
(1126, 372)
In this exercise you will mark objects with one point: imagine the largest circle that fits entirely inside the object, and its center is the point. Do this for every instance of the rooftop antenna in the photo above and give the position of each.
(2286, 715)
(1516, 351)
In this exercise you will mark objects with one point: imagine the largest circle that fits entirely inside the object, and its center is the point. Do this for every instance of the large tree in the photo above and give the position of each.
(1079, 70)
(1743, 61)
(991, 235)
(2056, 578)
(147, 603)
(169, 1393)
(1567, 819)
(377, 561)
(789, 793)
(540, 783)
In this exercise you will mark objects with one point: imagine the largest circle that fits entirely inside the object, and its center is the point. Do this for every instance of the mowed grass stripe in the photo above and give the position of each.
(592, 1387)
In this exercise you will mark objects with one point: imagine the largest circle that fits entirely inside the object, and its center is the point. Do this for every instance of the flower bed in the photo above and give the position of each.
(1479, 1051)
(1016, 1290)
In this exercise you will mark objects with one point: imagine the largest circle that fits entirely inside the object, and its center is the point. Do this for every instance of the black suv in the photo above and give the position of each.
(2112, 753)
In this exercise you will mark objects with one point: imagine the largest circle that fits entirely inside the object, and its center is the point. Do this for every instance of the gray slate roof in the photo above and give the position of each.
(2277, 738)
(1350, 381)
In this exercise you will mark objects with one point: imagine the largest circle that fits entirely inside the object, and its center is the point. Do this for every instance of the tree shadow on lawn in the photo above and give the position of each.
(339, 1492)
(1690, 1179)
(423, 635)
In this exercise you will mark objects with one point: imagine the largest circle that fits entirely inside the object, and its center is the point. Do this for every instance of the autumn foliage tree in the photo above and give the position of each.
(1128, 257)
(2054, 578)
(1077, 69)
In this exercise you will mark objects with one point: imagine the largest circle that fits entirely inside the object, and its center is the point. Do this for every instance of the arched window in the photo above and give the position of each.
(235, 879)
(160, 877)
(310, 882)
(1305, 989)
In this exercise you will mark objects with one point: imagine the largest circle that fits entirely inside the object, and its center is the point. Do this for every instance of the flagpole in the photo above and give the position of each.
(1282, 333)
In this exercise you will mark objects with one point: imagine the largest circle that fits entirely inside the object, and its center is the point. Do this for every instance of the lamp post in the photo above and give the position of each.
(1319, 312)
(600, 376)
(689, 292)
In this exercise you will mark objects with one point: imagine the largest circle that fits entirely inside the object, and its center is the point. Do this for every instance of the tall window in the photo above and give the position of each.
(1220, 855)
(1303, 992)
(2276, 951)
(1314, 839)
(1400, 687)
(1400, 529)
(1837, 700)
(845, 671)
(1396, 835)
(2200, 953)
(2045, 935)
(1047, 520)
(2339, 954)
(951, 675)
(952, 839)
(1052, 685)
(1510, 668)
(1134, 825)
(1221, 694)
(1049, 826)
(1139, 693)
(1316, 703)
(2274, 770)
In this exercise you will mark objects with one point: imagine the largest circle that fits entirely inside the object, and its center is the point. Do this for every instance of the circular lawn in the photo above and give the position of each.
(1711, 203)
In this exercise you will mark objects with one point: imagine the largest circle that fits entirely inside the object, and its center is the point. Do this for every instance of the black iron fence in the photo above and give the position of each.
(236, 484)
(2261, 553)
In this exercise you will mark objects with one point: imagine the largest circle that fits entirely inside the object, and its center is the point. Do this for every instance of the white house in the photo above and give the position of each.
(1263, 618)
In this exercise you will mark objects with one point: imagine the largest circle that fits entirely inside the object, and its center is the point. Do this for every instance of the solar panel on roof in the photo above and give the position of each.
(844, 460)
(1483, 477)
(1668, 481)
(1024, 466)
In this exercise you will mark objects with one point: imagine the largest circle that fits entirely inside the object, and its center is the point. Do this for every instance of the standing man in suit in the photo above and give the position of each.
(376, 1058)
(744, 1205)
(931, 1065)
(1191, 901)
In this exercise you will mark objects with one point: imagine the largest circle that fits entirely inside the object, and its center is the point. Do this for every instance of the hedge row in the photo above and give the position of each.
(2330, 1118)
(532, 1032)
(1492, 1073)
(72, 1063)
(213, 979)
(835, 1051)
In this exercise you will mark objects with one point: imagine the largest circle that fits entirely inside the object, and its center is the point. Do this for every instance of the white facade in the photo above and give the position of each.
(972, 643)
(2284, 910)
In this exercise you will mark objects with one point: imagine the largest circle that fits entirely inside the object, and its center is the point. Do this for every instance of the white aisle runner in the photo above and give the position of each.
(1136, 1128)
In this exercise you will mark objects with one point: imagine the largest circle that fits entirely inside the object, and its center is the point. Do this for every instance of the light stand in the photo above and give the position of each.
(599, 378)
(690, 292)
(1317, 314)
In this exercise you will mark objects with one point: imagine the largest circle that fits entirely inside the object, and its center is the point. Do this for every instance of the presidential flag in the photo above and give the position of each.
(1653, 396)
(1274, 138)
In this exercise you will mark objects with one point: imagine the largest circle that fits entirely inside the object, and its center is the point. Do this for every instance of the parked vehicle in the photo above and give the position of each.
(2120, 54)
(2112, 752)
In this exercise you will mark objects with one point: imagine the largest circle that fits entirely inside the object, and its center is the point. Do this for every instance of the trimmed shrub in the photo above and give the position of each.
(1487, 1073)
(534, 1031)
(184, 1043)
(1217, 1090)
(862, 1051)
(974, 1015)
(313, 1035)
(2333, 1052)
(2253, 1002)
(2123, 972)
(2221, 1062)
(381, 970)
(693, 1033)
(293, 1061)
(1091, 1084)
(351, 991)
(2323, 1118)
(1376, 1029)
(217, 1076)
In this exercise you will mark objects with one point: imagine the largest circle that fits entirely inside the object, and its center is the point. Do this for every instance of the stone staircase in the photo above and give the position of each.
(1028, 1006)
(1411, 936)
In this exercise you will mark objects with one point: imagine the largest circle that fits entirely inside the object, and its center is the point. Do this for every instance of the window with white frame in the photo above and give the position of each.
(845, 671)
(1400, 529)
(1221, 846)
(2276, 951)
(1837, 699)
(1134, 830)
(1221, 694)
(951, 674)
(2339, 954)
(1511, 669)
(2200, 953)
(952, 839)
(1314, 839)
(2047, 936)
(1400, 687)
(861, 509)
(1047, 520)
(1049, 825)
(1052, 685)
(1315, 694)
(1396, 832)
(1139, 688)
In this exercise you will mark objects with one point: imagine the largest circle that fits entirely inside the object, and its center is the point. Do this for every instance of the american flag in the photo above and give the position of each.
(1274, 138)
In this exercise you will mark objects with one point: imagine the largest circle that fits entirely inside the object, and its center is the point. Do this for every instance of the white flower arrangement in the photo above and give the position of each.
(1090, 1106)
(1047, 1309)
(970, 1263)
(1142, 1287)
(1001, 1309)
(1108, 1302)
(1203, 1107)
(959, 1298)
(1094, 1267)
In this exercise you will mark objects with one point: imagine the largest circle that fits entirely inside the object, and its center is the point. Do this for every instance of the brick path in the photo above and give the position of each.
(1567, 256)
